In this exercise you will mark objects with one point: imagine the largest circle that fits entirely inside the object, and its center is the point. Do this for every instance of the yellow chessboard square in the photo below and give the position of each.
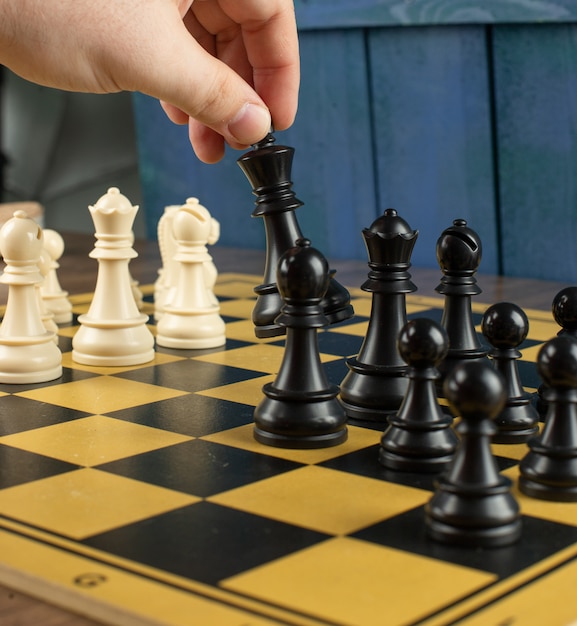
(92, 440)
(349, 581)
(324, 499)
(101, 394)
(87, 501)
(246, 392)
(242, 437)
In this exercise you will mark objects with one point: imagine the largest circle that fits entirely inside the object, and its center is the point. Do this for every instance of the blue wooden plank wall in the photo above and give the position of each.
(438, 108)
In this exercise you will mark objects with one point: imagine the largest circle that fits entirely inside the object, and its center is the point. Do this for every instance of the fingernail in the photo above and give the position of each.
(250, 124)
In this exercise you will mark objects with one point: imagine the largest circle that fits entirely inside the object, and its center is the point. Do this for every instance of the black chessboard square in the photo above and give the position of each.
(21, 466)
(190, 375)
(198, 467)
(205, 542)
(18, 414)
(69, 375)
(365, 462)
(539, 539)
(339, 344)
(193, 415)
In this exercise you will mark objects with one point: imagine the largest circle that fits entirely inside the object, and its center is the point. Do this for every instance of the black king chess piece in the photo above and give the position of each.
(300, 408)
(472, 504)
(459, 256)
(376, 383)
(268, 168)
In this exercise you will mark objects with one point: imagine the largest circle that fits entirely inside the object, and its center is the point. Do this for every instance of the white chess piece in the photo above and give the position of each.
(136, 291)
(191, 319)
(47, 317)
(113, 332)
(55, 298)
(167, 274)
(210, 271)
(28, 353)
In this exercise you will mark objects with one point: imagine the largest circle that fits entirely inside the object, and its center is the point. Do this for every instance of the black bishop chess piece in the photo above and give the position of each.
(419, 437)
(549, 470)
(268, 168)
(376, 383)
(472, 504)
(564, 309)
(505, 326)
(459, 253)
(300, 408)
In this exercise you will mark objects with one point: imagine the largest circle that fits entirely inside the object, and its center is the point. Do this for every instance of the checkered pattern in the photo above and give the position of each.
(141, 491)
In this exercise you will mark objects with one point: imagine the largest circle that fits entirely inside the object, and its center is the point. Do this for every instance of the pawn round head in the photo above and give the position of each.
(21, 239)
(505, 325)
(423, 343)
(303, 273)
(564, 308)
(475, 390)
(53, 243)
(557, 362)
(459, 249)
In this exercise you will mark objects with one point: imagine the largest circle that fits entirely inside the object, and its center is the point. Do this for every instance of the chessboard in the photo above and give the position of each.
(138, 495)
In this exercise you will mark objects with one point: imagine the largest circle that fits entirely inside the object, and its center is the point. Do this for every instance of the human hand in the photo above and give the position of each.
(222, 66)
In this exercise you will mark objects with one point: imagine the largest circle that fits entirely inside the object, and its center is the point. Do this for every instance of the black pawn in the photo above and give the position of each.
(375, 385)
(268, 169)
(564, 309)
(505, 327)
(419, 437)
(549, 470)
(300, 409)
(473, 505)
(459, 253)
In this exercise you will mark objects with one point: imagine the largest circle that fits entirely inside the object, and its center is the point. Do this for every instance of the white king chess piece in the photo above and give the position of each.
(28, 353)
(113, 332)
(191, 318)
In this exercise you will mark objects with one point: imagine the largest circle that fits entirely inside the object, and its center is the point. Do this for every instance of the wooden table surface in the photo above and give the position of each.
(77, 274)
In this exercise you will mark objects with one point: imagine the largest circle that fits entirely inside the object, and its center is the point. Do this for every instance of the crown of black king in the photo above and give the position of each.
(390, 242)
(268, 168)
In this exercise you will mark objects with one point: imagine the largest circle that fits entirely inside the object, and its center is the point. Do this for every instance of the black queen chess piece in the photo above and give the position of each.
(459, 252)
(376, 383)
(473, 505)
(549, 470)
(300, 408)
(268, 169)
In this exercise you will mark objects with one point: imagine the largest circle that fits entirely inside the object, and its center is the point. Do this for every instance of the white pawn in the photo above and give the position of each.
(167, 274)
(28, 353)
(47, 317)
(113, 332)
(55, 298)
(191, 319)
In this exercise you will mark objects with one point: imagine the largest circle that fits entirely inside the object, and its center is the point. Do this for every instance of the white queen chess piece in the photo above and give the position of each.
(191, 318)
(28, 353)
(113, 332)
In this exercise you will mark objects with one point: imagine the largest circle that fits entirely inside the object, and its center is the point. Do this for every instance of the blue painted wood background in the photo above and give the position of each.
(439, 108)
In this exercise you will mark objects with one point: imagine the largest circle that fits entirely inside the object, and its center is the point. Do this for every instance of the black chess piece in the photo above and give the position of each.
(376, 384)
(419, 437)
(472, 504)
(268, 168)
(459, 253)
(549, 470)
(300, 408)
(505, 326)
(564, 309)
